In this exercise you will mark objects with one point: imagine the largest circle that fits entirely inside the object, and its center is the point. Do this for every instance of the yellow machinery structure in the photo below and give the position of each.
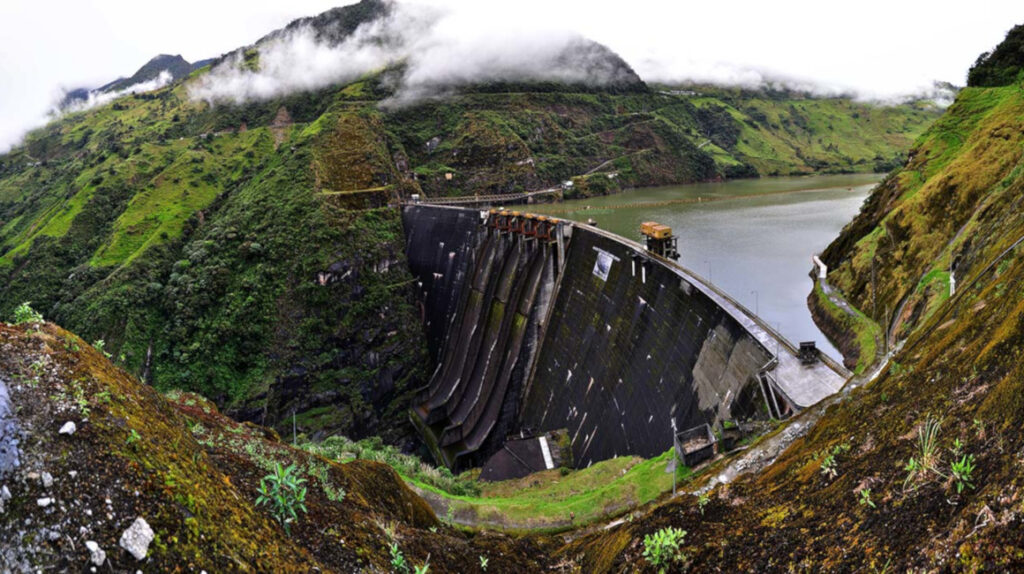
(659, 239)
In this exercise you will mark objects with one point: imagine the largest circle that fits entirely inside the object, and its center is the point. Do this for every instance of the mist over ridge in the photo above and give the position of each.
(439, 49)
(435, 51)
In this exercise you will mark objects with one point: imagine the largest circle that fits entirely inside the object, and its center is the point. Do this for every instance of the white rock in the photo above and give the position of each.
(137, 538)
(44, 502)
(97, 555)
(47, 480)
(68, 428)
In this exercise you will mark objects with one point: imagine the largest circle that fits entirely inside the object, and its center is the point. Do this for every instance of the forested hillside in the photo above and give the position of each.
(244, 250)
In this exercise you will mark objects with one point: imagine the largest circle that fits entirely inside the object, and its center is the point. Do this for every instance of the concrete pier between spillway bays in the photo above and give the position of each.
(542, 326)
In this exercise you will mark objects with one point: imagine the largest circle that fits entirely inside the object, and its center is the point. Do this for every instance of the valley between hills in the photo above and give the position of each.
(221, 328)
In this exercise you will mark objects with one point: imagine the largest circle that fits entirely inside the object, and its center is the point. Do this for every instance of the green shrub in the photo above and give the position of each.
(702, 501)
(398, 562)
(865, 498)
(661, 549)
(927, 458)
(24, 313)
(100, 345)
(962, 471)
(284, 492)
(399, 565)
(828, 466)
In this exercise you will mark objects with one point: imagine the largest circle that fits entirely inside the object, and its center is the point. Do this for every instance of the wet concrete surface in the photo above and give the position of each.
(628, 343)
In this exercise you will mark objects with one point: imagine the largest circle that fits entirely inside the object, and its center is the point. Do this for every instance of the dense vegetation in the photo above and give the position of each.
(244, 251)
(1003, 65)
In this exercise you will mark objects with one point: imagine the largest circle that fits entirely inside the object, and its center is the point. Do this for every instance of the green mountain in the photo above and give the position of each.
(773, 131)
(176, 66)
(245, 250)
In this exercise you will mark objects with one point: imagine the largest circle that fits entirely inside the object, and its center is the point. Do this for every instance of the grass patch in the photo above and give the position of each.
(549, 501)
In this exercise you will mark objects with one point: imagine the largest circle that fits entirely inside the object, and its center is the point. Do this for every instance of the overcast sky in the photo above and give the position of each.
(878, 47)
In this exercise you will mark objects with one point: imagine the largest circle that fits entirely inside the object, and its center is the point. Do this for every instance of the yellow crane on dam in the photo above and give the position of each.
(659, 239)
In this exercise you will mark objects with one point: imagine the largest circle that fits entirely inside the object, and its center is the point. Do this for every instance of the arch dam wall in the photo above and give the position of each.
(538, 326)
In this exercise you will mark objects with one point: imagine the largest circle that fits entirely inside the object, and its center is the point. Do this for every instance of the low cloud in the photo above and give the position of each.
(439, 51)
(683, 71)
(298, 61)
(98, 98)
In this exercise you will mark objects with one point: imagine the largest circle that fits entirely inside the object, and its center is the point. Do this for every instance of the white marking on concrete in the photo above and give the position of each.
(579, 428)
(586, 445)
(548, 463)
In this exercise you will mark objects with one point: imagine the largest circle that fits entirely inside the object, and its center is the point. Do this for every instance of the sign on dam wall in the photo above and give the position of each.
(540, 325)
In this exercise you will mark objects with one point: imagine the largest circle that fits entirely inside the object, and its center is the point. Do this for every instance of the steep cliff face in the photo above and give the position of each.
(941, 217)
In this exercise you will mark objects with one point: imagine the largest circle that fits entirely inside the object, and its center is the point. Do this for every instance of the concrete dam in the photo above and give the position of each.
(557, 340)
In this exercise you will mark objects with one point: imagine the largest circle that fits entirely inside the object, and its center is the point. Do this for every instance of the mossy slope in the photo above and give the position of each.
(963, 367)
(956, 204)
(193, 475)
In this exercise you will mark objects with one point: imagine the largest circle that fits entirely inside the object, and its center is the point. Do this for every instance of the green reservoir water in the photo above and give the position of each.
(755, 247)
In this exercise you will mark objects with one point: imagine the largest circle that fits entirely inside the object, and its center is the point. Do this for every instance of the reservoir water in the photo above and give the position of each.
(751, 238)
